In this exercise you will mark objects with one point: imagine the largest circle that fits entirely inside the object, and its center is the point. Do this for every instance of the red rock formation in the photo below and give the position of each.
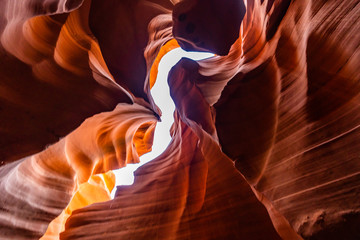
(283, 103)
(36, 189)
(101, 184)
(53, 76)
(208, 25)
(301, 147)
(168, 199)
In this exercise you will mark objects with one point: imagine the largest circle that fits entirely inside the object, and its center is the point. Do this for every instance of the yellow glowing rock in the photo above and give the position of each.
(170, 45)
(97, 189)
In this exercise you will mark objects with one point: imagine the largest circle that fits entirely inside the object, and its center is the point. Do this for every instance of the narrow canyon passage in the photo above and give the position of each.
(161, 95)
(263, 143)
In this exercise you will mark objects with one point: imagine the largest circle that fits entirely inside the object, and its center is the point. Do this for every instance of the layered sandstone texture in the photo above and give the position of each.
(265, 142)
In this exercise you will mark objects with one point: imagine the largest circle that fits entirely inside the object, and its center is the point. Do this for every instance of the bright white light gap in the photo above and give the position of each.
(161, 95)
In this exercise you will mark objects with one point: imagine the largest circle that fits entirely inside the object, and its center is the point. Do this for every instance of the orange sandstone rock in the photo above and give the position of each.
(280, 99)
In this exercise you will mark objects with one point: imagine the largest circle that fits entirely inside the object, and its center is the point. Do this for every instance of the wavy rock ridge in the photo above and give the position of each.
(266, 139)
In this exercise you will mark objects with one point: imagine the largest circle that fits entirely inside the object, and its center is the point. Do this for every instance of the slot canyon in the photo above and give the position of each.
(265, 142)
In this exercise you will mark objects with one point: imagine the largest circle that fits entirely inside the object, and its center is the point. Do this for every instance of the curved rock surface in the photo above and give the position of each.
(37, 188)
(190, 186)
(298, 141)
(281, 99)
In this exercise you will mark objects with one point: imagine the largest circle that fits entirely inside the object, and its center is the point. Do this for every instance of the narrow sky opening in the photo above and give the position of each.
(161, 95)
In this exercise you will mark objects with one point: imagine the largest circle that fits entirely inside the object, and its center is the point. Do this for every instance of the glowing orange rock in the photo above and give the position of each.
(42, 185)
(96, 189)
(192, 190)
(283, 103)
(170, 45)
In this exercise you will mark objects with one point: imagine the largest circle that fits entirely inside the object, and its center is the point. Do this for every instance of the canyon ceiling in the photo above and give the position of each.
(266, 137)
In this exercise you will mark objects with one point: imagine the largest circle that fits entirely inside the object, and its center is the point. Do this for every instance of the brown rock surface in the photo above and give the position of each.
(191, 191)
(294, 127)
(37, 188)
(208, 25)
(52, 76)
(283, 102)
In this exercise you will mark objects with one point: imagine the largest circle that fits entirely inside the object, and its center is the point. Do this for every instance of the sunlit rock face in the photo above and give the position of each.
(266, 139)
